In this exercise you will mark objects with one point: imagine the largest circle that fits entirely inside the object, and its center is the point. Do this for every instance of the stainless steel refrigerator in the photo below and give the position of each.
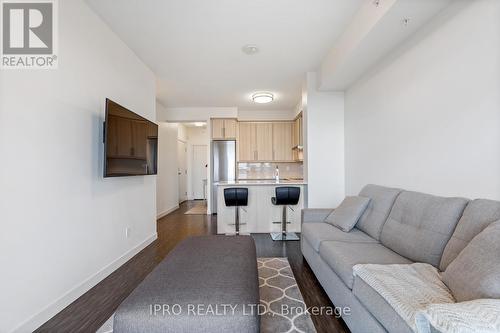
(223, 166)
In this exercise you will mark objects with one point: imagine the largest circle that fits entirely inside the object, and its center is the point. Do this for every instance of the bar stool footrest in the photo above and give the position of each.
(289, 236)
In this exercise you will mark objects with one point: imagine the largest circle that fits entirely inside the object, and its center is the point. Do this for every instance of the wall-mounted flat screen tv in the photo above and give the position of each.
(130, 143)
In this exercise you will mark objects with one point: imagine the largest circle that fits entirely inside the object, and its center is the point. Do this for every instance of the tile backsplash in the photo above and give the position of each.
(293, 170)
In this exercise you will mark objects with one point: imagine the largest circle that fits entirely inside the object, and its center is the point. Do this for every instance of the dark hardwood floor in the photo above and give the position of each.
(92, 309)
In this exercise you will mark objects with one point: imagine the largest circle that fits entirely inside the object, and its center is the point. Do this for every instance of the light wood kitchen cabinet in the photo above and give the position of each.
(217, 129)
(255, 142)
(224, 129)
(264, 141)
(298, 139)
(247, 142)
(283, 141)
(230, 128)
(297, 132)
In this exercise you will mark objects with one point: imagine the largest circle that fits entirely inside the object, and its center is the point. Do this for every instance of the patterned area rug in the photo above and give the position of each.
(279, 294)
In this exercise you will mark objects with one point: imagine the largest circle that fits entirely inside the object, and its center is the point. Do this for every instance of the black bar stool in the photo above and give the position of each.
(236, 197)
(285, 196)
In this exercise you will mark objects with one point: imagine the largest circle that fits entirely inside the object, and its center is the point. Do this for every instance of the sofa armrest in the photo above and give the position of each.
(315, 214)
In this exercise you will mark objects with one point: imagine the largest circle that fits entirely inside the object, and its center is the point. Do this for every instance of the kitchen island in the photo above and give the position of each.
(260, 216)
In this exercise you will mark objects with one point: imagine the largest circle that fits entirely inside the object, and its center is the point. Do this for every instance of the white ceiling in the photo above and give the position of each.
(373, 34)
(194, 46)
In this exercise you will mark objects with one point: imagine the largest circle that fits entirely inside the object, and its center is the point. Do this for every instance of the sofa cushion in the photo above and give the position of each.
(342, 256)
(315, 233)
(381, 201)
(378, 307)
(420, 225)
(475, 273)
(477, 215)
(348, 213)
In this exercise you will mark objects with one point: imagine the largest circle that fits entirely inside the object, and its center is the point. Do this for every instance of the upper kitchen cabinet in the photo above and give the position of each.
(298, 153)
(255, 142)
(224, 129)
(230, 128)
(264, 141)
(247, 142)
(283, 141)
(297, 132)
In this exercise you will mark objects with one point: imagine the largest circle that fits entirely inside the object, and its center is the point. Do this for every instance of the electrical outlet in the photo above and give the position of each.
(127, 232)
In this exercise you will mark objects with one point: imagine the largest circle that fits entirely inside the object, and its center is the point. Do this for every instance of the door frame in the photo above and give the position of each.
(185, 196)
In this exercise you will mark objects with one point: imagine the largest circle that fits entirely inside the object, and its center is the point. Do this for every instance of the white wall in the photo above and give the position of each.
(323, 116)
(182, 132)
(63, 225)
(266, 114)
(189, 114)
(429, 119)
(167, 181)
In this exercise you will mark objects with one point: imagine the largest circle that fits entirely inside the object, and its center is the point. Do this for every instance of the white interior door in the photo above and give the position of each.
(182, 170)
(199, 172)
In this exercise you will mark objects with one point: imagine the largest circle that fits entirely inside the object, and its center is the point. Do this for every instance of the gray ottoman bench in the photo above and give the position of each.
(206, 284)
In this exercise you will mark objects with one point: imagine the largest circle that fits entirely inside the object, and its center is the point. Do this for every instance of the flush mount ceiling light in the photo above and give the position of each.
(250, 49)
(262, 97)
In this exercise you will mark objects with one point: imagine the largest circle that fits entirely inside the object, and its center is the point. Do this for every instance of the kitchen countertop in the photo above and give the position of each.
(261, 182)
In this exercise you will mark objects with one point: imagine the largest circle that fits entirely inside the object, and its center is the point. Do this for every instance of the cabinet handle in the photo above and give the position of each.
(224, 132)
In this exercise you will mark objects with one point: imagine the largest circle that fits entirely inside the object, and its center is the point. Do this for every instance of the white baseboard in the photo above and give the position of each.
(168, 211)
(52, 309)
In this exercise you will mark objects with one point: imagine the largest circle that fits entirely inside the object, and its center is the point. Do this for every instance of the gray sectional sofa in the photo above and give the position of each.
(398, 227)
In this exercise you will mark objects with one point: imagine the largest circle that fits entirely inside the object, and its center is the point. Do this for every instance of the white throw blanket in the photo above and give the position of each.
(407, 288)
(478, 316)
